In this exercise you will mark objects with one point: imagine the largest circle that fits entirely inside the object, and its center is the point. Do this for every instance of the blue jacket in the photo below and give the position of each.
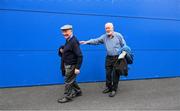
(129, 56)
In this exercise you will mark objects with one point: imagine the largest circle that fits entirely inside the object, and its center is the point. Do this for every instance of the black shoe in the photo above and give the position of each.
(64, 100)
(76, 94)
(107, 90)
(112, 94)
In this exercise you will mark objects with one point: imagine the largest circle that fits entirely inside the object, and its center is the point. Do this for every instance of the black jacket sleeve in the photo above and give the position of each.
(78, 53)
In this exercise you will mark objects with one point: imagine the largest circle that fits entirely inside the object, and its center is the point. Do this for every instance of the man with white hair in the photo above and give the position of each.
(113, 42)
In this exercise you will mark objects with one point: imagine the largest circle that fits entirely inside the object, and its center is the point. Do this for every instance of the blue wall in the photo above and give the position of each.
(29, 38)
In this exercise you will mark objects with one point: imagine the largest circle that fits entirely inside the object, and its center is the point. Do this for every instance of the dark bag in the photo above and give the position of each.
(129, 58)
(121, 67)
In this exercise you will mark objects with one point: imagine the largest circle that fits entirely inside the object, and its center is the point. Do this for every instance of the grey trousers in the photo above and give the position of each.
(71, 85)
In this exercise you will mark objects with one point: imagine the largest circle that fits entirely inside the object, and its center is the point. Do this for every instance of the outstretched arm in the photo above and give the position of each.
(96, 41)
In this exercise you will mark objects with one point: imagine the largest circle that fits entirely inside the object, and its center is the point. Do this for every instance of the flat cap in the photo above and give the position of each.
(65, 27)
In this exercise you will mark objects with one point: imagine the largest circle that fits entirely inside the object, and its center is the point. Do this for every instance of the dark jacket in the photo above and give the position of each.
(129, 55)
(62, 62)
(72, 54)
(121, 67)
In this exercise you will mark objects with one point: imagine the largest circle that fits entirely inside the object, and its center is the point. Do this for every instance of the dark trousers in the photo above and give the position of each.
(71, 85)
(112, 76)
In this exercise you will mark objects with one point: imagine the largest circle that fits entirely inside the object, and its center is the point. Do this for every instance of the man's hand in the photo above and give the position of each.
(76, 71)
(122, 55)
(83, 42)
(61, 50)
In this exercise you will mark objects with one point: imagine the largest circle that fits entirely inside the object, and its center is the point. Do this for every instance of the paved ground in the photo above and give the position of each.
(152, 94)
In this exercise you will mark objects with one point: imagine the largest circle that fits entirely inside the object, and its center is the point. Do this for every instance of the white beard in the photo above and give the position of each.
(109, 33)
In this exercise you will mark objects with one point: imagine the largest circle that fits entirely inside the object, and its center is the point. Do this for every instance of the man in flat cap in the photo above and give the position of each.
(72, 59)
(114, 43)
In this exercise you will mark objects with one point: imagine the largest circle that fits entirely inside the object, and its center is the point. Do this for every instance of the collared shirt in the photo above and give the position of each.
(113, 45)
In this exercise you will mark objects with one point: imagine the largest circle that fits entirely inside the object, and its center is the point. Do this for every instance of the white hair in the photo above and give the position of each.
(109, 24)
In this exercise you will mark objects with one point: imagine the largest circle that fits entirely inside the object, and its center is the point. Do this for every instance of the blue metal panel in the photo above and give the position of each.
(135, 8)
(29, 68)
(149, 33)
(29, 38)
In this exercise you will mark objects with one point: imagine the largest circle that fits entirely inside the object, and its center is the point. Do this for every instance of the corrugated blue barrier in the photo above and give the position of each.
(30, 37)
